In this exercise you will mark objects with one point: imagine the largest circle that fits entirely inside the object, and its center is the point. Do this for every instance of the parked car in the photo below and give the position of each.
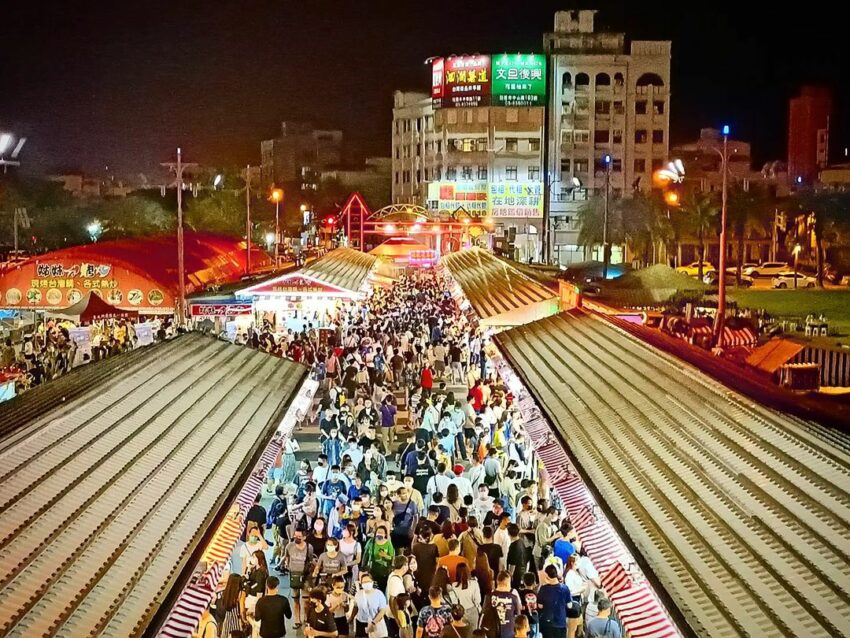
(767, 269)
(713, 277)
(744, 267)
(692, 269)
(786, 280)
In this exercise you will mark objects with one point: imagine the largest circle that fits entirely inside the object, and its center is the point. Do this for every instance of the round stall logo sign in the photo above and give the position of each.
(155, 297)
(115, 297)
(135, 297)
(74, 295)
(54, 296)
(13, 296)
(33, 295)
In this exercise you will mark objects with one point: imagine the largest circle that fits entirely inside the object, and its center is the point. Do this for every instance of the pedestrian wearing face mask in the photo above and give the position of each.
(254, 584)
(378, 556)
(370, 609)
(297, 559)
(253, 543)
(331, 563)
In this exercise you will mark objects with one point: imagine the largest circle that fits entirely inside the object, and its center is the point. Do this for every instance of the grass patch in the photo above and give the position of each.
(832, 304)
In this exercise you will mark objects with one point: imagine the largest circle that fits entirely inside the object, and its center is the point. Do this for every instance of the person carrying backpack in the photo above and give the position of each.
(434, 617)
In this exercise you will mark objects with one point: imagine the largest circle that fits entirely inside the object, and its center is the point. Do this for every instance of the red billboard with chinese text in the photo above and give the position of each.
(466, 81)
(437, 87)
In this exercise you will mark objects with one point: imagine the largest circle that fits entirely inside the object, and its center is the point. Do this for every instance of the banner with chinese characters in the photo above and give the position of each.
(295, 285)
(519, 80)
(220, 309)
(52, 285)
(483, 80)
(466, 81)
(450, 196)
(516, 199)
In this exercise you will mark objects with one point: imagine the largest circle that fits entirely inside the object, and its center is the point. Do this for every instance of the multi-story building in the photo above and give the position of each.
(413, 147)
(299, 154)
(808, 134)
(605, 100)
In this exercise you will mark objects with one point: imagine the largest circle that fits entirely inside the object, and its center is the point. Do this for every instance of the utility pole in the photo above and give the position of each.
(605, 254)
(547, 176)
(248, 219)
(721, 281)
(178, 169)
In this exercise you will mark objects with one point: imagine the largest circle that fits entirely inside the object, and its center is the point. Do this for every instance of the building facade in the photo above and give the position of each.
(605, 99)
(808, 134)
(299, 154)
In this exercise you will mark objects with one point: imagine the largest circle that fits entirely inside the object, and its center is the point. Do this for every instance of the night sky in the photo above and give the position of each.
(121, 84)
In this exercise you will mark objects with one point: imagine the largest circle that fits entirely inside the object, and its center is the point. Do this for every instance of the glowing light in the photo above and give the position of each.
(416, 228)
(218, 179)
(606, 158)
(5, 142)
(435, 228)
(466, 221)
(488, 221)
(276, 195)
(303, 207)
(95, 230)
(576, 182)
(389, 228)
(269, 238)
(726, 129)
(672, 198)
(331, 221)
(797, 249)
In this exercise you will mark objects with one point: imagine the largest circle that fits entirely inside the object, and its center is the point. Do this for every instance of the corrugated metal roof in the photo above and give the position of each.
(103, 499)
(343, 267)
(742, 513)
(492, 286)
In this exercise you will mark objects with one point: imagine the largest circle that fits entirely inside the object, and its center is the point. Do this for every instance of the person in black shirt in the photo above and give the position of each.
(271, 611)
(320, 619)
(517, 561)
(493, 551)
(257, 514)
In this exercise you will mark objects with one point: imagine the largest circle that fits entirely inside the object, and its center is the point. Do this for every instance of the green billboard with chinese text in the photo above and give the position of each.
(518, 79)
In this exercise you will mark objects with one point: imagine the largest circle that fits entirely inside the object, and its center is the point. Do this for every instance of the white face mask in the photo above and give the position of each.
(368, 586)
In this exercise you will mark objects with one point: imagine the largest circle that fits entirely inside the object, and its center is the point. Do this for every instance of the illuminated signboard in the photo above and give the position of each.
(519, 80)
(437, 87)
(450, 196)
(481, 80)
(466, 81)
(495, 199)
(515, 199)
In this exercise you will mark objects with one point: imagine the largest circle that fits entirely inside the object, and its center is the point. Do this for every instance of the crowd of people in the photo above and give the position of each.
(50, 351)
(440, 527)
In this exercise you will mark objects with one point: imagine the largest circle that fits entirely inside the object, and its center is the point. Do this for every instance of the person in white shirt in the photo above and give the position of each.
(501, 537)
(464, 485)
(439, 482)
(484, 503)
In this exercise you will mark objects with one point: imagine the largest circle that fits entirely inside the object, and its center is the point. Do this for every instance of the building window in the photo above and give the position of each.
(439, 146)
(481, 145)
(657, 136)
(582, 81)
(418, 175)
(512, 115)
(427, 174)
(566, 137)
(618, 79)
(533, 173)
(511, 145)
(640, 166)
(534, 145)
(582, 105)
(451, 173)
(482, 173)
(396, 177)
(511, 172)
(640, 136)
(467, 145)
(451, 116)
(398, 152)
(617, 165)
(405, 176)
(438, 174)
(658, 107)
(617, 136)
(567, 80)
(601, 136)
(640, 107)
(581, 137)
(619, 109)
(581, 166)
(603, 107)
(565, 165)
(603, 79)
(466, 173)
(468, 116)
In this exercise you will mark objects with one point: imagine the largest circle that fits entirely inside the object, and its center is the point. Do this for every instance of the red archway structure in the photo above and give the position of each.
(438, 229)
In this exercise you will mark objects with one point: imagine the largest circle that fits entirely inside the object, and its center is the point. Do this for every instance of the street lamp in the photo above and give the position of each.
(178, 167)
(277, 198)
(796, 251)
(721, 281)
(95, 229)
(606, 159)
(269, 240)
(6, 142)
(217, 181)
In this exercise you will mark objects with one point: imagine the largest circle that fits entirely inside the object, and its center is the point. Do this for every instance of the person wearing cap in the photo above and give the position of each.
(464, 485)
(603, 626)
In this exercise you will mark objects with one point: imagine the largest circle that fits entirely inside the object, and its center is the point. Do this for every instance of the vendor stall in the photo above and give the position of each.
(310, 295)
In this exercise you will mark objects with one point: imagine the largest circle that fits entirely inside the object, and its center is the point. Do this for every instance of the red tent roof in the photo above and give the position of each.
(93, 308)
(208, 258)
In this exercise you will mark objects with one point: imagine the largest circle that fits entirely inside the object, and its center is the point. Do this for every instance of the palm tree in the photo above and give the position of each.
(646, 225)
(700, 209)
(831, 213)
(747, 215)
(591, 215)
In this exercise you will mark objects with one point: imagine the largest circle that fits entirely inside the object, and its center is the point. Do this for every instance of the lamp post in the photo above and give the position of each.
(605, 255)
(797, 250)
(6, 143)
(277, 197)
(721, 287)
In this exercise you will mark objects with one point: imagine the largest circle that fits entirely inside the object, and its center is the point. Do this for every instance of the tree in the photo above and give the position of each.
(830, 211)
(132, 216)
(700, 211)
(217, 212)
(645, 224)
(746, 215)
(591, 215)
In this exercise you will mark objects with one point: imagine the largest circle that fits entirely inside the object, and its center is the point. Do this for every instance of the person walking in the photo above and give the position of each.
(272, 610)
(297, 559)
(370, 609)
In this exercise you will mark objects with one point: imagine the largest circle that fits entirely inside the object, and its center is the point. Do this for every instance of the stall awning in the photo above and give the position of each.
(499, 294)
(105, 497)
(93, 308)
(774, 354)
